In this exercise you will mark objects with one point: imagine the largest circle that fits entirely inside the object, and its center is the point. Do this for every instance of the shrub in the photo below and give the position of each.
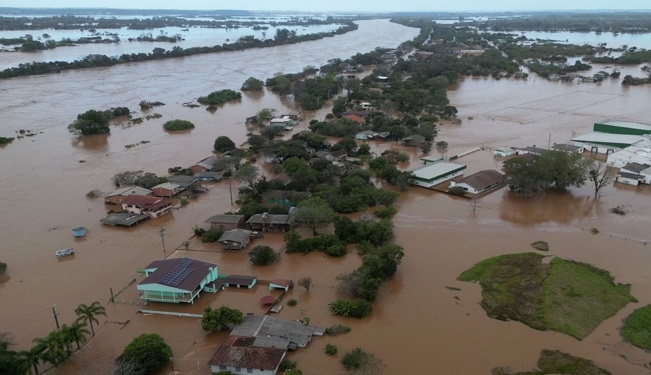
(177, 125)
(287, 365)
(540, 245)
(252, 84)
(350, 308)
(385, 213)
(337, 329)
(594, 230)
(359, 361)
(211, 235)
(330, 349)
(263, 255)
(219, 97)
(292, 302)
(336, 250)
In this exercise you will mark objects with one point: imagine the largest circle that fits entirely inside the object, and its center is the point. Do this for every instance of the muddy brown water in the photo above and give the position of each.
(417, 327)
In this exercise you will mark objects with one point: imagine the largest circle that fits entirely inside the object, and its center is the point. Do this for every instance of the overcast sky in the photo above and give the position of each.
(342, 5)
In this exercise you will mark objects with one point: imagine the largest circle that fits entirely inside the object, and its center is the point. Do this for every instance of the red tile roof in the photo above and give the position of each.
(146, 202)
(355, 118)
(236, 351)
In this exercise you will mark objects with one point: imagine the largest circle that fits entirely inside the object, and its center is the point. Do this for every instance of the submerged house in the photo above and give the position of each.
(434, 172)
(177, 280)
(480, 182)
(235, 239)
(115, 197)
(151, 206)
(238, 355)
(226, 222)
(167, 189)
(270, 223)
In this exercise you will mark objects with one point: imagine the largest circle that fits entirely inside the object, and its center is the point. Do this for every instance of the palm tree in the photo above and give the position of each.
(27, 360)
(66, 339)
(87, 314)
(78, 332)
(53, 348)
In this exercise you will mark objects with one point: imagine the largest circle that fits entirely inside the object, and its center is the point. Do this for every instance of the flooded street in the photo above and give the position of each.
(417, 326)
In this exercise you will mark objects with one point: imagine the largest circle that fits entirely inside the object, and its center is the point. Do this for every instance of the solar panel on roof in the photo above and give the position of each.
(178, 273)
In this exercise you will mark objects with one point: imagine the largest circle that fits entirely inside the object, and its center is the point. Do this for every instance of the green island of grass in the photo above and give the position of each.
(637, 328)
(557, 362)
(564, 296)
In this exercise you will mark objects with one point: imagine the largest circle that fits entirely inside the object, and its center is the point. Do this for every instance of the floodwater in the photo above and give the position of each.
(418, 325)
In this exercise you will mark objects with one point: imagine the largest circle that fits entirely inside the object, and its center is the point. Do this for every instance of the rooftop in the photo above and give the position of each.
(635, 167)
(626, 124)
(265, 327)
(433, 171)
(125, 219)
(240, 352)
(269, 219)
(484, 179)
(235, 235)
(168, 186)
(179, 273)
(225, 218)
(129, 190)
(145, 201)
(608, 138)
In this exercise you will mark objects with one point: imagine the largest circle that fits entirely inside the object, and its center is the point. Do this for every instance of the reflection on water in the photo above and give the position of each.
(558, 207)
(97, 142)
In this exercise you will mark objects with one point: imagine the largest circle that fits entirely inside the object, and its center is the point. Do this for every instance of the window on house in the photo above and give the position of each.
(222, 367)
(238, 369)
(249, 370)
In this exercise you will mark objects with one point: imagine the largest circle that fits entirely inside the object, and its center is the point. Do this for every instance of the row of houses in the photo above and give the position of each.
(238, 232)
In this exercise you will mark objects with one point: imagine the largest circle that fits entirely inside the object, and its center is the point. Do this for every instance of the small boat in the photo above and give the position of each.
(79, 232)
(65, 252)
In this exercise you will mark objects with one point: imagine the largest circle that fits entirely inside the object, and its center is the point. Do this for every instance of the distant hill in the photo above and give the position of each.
(121, 12)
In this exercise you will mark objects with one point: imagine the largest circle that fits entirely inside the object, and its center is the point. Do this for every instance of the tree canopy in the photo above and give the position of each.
(223, 144)
(314, 212)
(177, 125)
(252, 84)
(148, 351)
(219, 319)
(553, 169)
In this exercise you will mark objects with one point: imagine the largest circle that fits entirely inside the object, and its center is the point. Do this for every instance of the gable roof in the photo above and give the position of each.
(567, 148)
(269, 219)
(129, 190)
(235, 235)
(180, 273)
(238, 351)
(414, 139)
(168, 186)
(145, 201)
(338, 153)
(224, 219)
(483, 179)
(271, 331)
(184, 181)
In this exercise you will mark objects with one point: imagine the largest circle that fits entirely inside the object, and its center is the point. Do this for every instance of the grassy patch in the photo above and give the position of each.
(511, 286)
(578, 297)
(564, 296)
(637, 328)
(557, 362)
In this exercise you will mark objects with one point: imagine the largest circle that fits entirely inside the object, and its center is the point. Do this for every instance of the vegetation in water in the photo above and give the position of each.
(220, 97)
(557, 362)
(564, 296)
(177, 125)
(637, 328)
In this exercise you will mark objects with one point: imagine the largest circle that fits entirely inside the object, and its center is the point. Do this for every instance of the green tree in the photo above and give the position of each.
(263, 255)
(54, 348)
(223, 144)
(27, 360)
(77, 332)
(247, 173)
(90, 122)
(87, 314)
(252, 84)
(3, 268)
(314, 212)
(551, 170)
(178, 125)
(219, 319)
(149, 351)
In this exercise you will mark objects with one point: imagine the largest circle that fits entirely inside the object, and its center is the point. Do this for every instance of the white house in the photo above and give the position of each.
(435, 173)
(365, 135)
(151, 206)
(480, 182)
(504, 151)
(638, 152)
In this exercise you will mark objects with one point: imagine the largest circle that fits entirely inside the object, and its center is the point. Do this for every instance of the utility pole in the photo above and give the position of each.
(54, 313)
(230, 190)
(162, 237)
